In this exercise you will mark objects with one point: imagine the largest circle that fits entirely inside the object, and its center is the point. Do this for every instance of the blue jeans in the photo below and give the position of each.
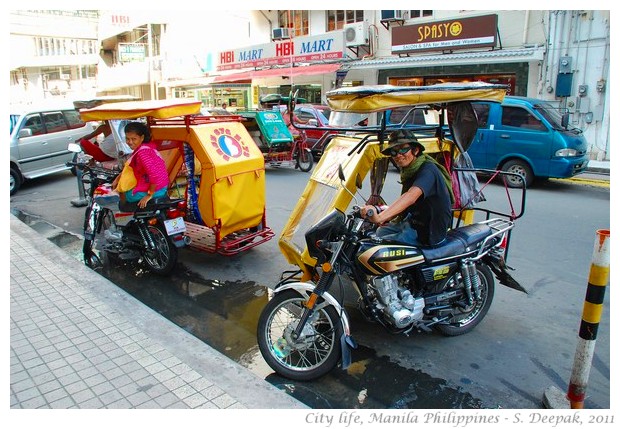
(130, 197)
(401, 232)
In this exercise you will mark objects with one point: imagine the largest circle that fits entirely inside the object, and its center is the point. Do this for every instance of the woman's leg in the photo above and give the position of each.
(130, 197)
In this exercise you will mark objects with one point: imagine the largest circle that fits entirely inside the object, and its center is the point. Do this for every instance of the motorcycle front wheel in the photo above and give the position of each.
(305, 161)
(314, 353)
(97, 221)
(163, 258)
(466, 319)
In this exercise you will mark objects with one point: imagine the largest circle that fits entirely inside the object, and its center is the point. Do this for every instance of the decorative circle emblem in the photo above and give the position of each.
(228, 145)
(456, 28)
(270, 116)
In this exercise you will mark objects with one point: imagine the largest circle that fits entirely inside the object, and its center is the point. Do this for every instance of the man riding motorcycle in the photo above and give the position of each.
(422, 214)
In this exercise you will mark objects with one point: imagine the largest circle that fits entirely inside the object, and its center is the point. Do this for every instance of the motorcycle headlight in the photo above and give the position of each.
(325, 229)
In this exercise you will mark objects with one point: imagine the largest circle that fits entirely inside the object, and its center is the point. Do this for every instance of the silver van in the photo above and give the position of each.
(40, 136)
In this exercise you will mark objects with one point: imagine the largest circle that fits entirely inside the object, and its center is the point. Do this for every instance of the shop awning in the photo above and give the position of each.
(286, 72)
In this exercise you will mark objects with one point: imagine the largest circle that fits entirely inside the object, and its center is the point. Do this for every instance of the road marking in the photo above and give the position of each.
(592, 182)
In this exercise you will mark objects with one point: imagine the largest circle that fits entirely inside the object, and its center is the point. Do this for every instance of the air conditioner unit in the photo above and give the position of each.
(280, 33)
(390, 15)
(356, 34)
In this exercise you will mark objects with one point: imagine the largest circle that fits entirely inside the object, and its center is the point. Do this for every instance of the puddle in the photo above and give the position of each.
(225, 316)
(373, 382)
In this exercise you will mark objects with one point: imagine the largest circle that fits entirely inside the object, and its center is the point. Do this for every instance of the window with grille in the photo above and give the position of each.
(295, 20)
(336, 19)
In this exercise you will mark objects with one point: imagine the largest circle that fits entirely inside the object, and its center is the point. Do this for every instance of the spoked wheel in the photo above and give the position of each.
(305, 161)
(98, 221)
(466, 319)
(163, 258)
(314, 353)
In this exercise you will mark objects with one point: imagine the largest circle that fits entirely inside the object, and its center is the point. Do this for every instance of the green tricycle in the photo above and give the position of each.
(280, 143)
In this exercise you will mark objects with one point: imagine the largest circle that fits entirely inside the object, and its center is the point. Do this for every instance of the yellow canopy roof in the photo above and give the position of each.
(158, 109)
(376, 98)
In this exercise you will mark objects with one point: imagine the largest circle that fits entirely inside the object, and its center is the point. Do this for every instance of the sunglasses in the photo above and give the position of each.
(401, 151)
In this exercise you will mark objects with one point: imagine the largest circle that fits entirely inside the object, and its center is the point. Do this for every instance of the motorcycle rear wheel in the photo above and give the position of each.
(163, 258)
(465, 320)
(314, 354)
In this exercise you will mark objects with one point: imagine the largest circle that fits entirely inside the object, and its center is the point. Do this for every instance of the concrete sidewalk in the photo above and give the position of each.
(602, 167)
(79, 341)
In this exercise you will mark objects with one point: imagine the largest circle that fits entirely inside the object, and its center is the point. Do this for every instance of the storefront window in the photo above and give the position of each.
(295, 20)
(336, 19)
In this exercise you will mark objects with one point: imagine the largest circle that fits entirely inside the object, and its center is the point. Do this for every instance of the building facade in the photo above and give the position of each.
(53, 54)
(234, 57)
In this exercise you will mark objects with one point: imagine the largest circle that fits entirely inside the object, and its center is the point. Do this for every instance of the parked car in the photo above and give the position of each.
(40, 136)
(522, 135)
(316, 115)
(527, 136)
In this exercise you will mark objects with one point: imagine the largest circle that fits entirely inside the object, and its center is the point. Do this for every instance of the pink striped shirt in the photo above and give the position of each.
(149, 167)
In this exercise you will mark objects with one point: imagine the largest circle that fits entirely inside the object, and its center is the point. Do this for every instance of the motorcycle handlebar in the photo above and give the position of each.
(100, 171)
(357, 212)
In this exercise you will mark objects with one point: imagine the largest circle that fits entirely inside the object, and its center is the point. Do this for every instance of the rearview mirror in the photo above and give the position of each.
(341, 173)
(565, 120)
(25, 132)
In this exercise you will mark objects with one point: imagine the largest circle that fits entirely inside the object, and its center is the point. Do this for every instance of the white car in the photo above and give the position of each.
(40, 136)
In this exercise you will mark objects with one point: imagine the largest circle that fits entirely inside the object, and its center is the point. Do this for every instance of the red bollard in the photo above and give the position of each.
(591, 316)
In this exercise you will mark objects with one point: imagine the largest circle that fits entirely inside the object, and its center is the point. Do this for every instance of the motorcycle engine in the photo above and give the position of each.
(396, 302)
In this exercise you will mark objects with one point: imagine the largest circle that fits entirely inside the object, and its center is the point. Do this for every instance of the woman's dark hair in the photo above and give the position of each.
(140, 129)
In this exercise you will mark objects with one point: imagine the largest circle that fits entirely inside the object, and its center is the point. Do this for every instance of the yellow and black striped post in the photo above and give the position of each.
(592, 310)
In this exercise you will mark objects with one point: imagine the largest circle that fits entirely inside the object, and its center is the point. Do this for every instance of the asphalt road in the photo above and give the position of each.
(525, 345)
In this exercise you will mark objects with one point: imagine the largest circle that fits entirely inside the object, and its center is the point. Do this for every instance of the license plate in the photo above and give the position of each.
(175, 226)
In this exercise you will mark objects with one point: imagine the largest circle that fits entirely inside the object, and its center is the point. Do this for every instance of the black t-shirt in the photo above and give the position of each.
(431, 214)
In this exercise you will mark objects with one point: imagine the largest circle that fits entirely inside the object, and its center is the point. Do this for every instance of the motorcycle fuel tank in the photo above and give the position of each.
(377, 259)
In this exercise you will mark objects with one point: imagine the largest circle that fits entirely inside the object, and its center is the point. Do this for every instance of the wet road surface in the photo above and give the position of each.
(225, 316)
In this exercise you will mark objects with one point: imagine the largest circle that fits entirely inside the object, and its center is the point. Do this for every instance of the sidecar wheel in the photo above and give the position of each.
(465, 320)
(163, 259)
(314, 354)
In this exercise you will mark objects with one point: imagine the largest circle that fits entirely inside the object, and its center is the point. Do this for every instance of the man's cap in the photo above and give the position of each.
(398, 139)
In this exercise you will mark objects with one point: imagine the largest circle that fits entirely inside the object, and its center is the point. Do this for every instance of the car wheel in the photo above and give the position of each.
(16, 180)
(517, 166)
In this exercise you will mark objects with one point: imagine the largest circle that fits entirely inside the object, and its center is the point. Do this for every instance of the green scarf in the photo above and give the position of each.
(412, 169)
